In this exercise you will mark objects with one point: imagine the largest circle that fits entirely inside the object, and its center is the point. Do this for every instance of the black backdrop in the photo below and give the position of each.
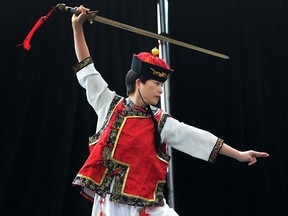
(45, 119)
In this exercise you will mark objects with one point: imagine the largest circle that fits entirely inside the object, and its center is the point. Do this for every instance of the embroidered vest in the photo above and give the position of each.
(124, 150)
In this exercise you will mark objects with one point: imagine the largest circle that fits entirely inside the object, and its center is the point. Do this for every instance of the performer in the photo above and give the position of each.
(125, 172)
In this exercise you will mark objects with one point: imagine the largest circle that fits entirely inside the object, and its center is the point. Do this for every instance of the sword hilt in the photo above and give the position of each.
(90, 15)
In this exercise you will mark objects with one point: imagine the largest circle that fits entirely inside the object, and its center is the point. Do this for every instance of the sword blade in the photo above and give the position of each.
(156, 36)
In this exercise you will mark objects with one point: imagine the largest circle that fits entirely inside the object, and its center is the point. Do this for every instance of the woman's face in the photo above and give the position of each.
(151, 91)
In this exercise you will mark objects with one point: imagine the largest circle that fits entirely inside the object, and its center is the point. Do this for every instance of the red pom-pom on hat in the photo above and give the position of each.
(152, 58)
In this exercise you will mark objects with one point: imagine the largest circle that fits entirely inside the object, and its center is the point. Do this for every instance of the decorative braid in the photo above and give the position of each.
(156, 132)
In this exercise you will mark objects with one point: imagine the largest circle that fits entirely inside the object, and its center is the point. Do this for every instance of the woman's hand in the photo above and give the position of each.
(251, 156)
(78, 20)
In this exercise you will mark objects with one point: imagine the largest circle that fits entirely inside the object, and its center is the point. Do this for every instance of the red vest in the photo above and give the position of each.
(124, 150)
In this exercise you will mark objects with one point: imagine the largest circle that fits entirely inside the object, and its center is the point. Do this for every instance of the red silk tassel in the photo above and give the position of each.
(143, 213)
(100, 213)
(26, 43)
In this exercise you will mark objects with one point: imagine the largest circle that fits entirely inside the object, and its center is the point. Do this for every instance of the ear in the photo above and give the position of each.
(137, 82)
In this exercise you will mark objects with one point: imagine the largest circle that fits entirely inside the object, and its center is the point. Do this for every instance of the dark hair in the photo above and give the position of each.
(130, 80)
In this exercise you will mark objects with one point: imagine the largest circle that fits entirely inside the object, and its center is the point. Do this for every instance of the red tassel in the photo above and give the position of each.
(143, 213)
(100, 213)
(26, 43)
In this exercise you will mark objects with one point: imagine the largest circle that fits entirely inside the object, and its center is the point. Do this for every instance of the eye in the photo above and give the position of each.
(159, 83)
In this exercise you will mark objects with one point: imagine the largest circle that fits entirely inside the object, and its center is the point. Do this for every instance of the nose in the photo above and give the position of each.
(161, 89)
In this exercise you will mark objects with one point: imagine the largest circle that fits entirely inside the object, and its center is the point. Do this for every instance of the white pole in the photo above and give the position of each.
(162, 14)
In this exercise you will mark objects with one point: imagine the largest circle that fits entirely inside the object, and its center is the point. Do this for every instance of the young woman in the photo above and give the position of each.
(126, 169)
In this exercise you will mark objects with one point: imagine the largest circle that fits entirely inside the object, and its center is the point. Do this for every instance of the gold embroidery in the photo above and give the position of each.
(82, 64)
(112, 165)
(159, 74)
(216, 149)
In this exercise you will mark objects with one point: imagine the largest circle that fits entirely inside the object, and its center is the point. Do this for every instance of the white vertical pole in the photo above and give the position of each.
(162, 14)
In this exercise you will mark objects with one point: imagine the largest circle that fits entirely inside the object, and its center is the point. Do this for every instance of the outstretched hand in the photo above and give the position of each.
(251, 156)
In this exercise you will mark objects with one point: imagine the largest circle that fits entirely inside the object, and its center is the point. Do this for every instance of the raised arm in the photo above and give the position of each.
(81, 48)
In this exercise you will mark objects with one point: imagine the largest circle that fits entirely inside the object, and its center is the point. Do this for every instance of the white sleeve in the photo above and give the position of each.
(98, 94)
(188, 139)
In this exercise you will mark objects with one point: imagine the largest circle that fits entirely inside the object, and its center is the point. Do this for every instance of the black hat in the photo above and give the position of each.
(151, 66)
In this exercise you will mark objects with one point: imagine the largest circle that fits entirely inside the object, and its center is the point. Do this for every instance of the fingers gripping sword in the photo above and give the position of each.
(92, 16)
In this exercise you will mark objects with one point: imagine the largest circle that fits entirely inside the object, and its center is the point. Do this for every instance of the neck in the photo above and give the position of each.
(138, 100)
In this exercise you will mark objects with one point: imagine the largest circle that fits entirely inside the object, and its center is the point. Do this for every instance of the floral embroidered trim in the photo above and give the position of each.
(118, 197)
(216, 149)
(163, 155)
(95, 137)
(116, 170)
(77, 67)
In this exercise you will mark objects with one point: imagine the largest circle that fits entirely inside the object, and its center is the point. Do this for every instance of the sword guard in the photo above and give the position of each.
(90, 15)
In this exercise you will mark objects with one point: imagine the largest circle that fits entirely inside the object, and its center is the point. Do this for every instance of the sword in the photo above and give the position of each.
(92, 16)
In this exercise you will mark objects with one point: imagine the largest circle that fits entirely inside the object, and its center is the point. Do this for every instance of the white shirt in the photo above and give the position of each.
(183, 137)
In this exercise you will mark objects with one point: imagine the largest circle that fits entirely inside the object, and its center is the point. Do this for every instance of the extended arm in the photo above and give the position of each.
(98, 94)
(249, 156)
(80, 44)
(201, 144)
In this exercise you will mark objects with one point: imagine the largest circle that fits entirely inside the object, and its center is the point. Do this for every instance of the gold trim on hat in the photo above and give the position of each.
(159, 74)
